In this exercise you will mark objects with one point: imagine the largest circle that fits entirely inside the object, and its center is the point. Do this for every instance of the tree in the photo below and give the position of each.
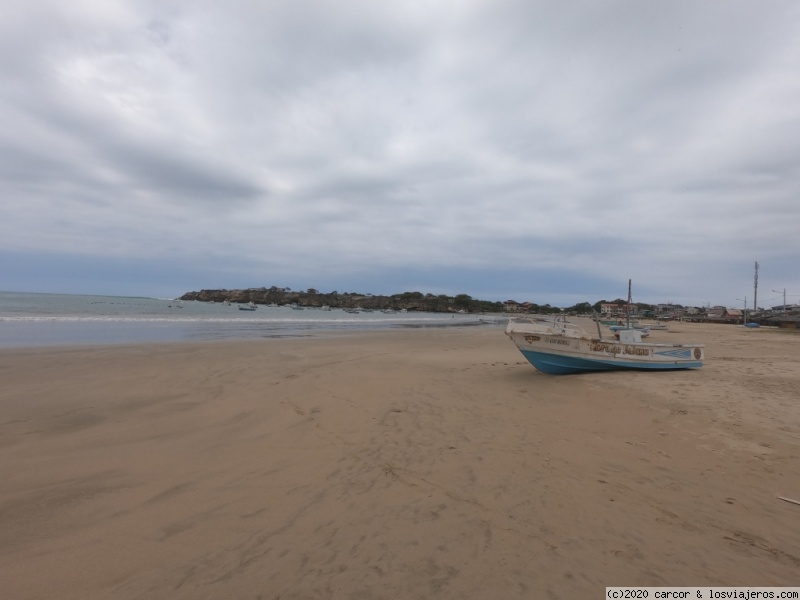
(463, 300)
(580, 308)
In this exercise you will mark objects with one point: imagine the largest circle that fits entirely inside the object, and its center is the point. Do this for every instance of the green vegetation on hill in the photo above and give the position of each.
(313, 298)
(406, 300)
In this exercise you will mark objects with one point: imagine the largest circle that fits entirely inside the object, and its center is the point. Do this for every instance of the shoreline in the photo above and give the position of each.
(157, 324)
(394, 464)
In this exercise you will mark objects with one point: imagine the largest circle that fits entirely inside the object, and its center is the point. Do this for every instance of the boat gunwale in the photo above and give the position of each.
(588, 338)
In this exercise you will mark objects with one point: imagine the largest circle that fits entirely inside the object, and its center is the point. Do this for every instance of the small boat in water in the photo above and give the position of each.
(250, 306)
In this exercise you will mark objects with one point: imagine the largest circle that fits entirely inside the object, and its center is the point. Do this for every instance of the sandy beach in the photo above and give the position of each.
(427, 463)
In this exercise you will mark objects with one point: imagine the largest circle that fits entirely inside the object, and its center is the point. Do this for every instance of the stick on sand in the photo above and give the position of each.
(789, 500)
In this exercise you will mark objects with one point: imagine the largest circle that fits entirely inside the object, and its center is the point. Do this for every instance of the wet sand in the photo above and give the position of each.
(403, 464)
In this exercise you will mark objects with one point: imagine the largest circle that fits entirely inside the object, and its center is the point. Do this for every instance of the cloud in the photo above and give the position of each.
(390, 143)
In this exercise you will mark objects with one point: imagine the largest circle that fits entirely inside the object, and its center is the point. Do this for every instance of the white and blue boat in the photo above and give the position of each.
(643, 328)
(559, 347)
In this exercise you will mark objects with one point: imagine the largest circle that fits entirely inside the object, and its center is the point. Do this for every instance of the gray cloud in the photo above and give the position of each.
(364, 140)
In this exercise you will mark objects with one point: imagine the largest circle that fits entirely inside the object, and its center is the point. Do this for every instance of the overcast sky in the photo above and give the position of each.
(529, 150)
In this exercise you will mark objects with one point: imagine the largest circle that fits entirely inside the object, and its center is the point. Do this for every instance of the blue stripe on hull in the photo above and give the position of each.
(565, 365)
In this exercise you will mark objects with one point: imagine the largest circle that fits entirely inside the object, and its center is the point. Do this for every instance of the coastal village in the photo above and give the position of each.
(785, 316)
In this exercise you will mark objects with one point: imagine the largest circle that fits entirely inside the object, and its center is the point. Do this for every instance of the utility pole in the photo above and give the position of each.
(755, 291)
(783, 310)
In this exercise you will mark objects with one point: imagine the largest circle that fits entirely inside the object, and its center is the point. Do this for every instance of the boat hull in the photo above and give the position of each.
(560, 354)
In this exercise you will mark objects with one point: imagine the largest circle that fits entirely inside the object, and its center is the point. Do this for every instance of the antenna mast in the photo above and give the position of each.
(755, 290)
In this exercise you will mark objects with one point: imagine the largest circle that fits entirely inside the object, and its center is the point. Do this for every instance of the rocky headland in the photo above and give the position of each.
(412, 301)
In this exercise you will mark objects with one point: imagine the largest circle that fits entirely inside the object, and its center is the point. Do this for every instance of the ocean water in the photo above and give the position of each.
(61, 319)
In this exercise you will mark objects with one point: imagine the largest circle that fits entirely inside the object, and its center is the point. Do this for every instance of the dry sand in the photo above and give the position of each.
(413, 464)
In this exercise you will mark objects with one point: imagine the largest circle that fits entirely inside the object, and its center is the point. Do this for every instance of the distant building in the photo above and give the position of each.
(721, 314)
(669, 309)
(786, 307)
(610, 309)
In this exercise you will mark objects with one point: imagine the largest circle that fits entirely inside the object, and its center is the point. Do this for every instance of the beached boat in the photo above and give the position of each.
(560, 347)
(610, 323)
(645, 330)
(630, 323)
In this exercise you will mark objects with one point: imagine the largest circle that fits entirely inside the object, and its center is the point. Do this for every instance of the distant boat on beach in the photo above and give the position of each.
(629, 324)
(643, 329)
